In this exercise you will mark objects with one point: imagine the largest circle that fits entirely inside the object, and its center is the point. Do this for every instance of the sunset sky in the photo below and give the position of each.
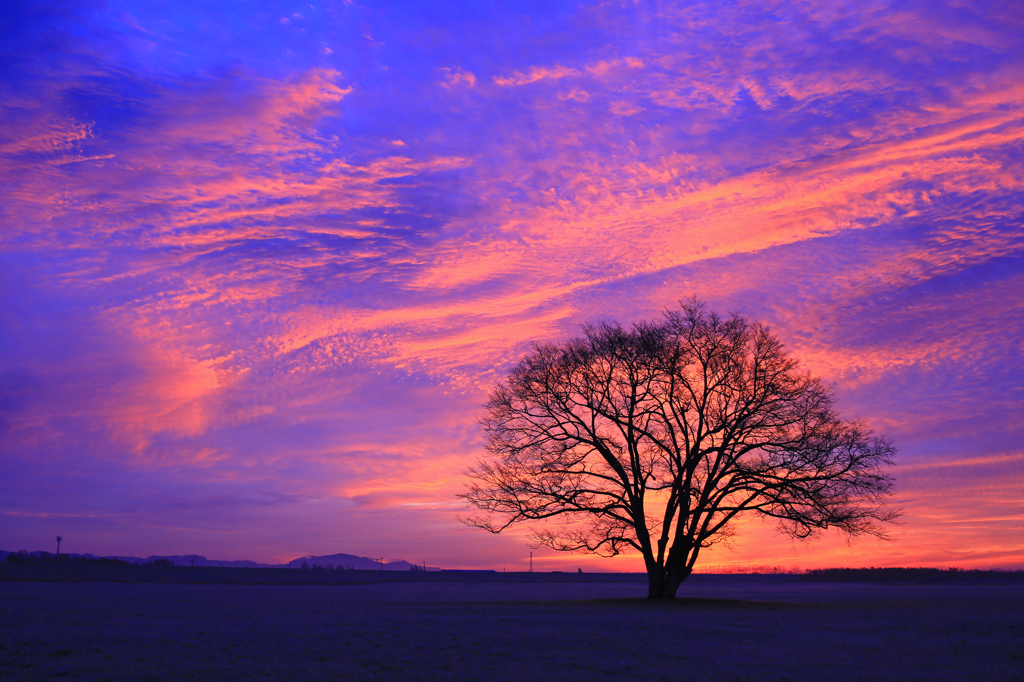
(260, 262)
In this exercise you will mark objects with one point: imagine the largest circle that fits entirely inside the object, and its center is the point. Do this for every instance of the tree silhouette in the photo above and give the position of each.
(655, 438)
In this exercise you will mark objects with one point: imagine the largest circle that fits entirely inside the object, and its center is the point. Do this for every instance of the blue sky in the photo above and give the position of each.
(259, 265)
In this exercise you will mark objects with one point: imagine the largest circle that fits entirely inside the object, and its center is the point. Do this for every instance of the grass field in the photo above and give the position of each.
(510, 631)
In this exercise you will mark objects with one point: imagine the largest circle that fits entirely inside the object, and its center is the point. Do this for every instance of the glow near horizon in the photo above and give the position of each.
(260, 266)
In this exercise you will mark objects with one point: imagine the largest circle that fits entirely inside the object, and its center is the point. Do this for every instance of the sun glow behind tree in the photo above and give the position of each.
(655, 439)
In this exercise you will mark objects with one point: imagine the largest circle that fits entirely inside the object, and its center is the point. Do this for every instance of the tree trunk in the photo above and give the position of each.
(663, 583)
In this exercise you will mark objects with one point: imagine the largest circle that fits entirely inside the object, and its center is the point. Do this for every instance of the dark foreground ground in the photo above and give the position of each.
(510, 631)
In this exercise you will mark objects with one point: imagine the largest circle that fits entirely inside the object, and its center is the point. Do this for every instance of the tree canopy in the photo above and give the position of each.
(655, 438)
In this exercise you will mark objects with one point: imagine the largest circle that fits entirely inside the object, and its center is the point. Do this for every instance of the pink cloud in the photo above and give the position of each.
(455, 77)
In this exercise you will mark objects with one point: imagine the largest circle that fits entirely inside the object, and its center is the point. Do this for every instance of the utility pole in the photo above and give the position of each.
(531, 562)
(59, 538)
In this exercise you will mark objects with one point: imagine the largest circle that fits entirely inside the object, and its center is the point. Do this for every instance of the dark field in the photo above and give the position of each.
(479, 630)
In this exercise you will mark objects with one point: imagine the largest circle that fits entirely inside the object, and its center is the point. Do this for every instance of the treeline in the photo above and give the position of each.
(911, 575)
(26, 557)
(327, 567)
(330, 573)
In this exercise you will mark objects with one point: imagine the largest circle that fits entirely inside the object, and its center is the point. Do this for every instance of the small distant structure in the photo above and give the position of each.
(59, 538)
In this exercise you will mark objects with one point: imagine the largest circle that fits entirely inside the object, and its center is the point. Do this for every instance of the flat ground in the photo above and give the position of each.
(510, 631)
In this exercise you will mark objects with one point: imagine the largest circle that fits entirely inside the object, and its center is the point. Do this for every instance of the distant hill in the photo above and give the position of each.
(359, 563)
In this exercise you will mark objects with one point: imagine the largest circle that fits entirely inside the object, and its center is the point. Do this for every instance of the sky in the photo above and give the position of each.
(261, 261)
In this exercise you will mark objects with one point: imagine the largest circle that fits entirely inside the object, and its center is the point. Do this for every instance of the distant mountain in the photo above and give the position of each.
(359, 563)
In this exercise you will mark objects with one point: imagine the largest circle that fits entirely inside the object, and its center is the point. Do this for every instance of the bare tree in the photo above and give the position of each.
(655, 438)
